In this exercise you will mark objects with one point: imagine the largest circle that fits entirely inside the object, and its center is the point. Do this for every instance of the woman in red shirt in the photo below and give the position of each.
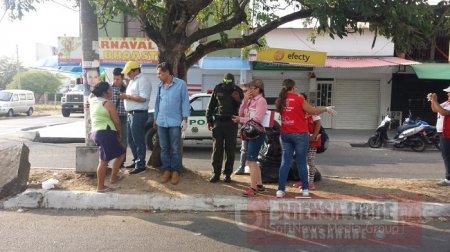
(294, 133)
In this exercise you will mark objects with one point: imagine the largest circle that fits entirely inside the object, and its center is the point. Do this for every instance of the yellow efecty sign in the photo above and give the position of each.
(301, 57)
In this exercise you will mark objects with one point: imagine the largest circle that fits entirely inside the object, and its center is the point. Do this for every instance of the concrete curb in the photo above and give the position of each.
(39, 198)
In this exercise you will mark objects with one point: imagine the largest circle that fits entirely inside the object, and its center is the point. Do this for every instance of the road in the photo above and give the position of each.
(341, 159)
(66, 230)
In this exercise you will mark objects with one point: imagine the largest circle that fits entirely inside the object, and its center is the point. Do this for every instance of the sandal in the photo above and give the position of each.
(117, 180)
(105, 190)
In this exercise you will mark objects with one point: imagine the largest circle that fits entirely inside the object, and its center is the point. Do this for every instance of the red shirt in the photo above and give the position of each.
(293, 117)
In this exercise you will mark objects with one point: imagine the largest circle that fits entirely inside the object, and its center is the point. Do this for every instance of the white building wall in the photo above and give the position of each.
(353, 45)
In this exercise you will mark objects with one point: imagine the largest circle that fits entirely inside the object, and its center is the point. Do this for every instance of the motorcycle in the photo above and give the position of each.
(430, 133)
(411, 136)
(380, 135)
(407, 135)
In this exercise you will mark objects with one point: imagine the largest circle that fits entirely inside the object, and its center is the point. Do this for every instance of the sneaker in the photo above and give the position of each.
(260, 188)
(239, 171)
(311, 186)
(227, 179)
(280, 194)
(444, 182)
(305, 193)
(249, 192)
(297, 184)
(214, 179)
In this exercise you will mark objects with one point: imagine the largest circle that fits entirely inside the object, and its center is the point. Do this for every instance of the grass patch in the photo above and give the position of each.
(47, 107)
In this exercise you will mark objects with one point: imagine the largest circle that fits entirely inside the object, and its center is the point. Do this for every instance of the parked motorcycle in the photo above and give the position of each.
(380, 136)
(411, 136)
(429, 134)
(407, 136)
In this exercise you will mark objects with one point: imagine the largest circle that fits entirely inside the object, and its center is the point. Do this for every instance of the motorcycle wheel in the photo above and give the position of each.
(437, 142)
(399, 145)
(375, 141)
(418, 145)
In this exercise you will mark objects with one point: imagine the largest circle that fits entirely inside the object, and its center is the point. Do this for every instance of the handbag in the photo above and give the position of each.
(252, 130)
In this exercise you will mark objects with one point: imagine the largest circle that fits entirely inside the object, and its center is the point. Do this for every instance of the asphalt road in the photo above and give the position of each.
(341, 159)
(65, 230)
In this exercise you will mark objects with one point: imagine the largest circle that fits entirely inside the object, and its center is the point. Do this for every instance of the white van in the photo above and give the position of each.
(15, 101)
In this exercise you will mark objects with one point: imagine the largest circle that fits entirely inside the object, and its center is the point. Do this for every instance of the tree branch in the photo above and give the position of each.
(238, 17)
(245, 40)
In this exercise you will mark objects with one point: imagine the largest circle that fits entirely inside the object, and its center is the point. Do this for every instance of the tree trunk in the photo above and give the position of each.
(90, 58)
(432, 48)
(175, 58)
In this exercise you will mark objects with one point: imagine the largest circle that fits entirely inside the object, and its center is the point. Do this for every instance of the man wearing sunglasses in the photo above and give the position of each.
(224, 104)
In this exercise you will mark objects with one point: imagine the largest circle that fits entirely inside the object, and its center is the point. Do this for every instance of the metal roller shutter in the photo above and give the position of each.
(357, 103)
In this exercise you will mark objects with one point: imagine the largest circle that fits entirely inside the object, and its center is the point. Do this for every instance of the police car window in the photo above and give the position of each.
(200, 103)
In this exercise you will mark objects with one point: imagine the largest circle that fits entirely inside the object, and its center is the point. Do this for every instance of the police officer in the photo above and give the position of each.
(224, 103)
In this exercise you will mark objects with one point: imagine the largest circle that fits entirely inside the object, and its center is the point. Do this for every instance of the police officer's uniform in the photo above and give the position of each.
(219, 114)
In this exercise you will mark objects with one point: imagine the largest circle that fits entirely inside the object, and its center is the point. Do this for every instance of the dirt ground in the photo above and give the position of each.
(197, 183)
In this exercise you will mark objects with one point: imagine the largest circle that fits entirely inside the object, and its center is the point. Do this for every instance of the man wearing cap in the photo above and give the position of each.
(443, 128)
(118, 87)
(136, 100)
(224, 104)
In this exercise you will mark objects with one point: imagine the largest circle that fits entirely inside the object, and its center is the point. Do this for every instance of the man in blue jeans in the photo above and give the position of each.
(136, 101)
(172, 109)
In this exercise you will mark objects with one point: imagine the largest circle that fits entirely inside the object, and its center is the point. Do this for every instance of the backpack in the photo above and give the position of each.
(324, 137)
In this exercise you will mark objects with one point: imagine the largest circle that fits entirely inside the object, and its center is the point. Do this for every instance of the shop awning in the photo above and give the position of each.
(432, 71)
(224, 63)
(366, 62)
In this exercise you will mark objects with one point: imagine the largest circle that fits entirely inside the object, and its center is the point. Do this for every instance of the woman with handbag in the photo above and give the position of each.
(251, 114)
(295, 134)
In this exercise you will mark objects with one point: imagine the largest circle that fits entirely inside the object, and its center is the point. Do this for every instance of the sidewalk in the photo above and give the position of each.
(195, 193)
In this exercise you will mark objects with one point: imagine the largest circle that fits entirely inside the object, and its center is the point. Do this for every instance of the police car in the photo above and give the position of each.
(197, 127)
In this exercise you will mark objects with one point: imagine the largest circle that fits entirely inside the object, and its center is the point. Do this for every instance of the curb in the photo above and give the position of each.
(39, 198)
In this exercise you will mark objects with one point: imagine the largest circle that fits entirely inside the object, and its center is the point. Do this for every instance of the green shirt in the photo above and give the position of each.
(100, 117)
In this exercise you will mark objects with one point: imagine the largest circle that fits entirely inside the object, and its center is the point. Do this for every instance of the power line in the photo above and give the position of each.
(65, 6)
(1, 19)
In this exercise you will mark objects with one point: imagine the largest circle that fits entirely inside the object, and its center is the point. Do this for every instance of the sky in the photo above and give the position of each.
(50, 20)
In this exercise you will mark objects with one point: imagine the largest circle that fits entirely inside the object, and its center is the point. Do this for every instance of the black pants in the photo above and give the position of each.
(224, 136)
(445, 150)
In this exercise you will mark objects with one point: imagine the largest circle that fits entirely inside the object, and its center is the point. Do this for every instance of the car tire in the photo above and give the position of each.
(65, 113)
(151, 138)
(10, 113)
(30, 111)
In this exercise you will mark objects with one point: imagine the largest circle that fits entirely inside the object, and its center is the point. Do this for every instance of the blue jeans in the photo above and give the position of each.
(136, 137)
(445, 150)
(298, 142)
(169, 141)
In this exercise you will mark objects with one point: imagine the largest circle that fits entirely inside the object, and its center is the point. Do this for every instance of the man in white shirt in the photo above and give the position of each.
(136, 100)
(443, 128)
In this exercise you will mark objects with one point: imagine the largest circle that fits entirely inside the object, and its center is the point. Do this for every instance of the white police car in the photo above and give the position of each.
(197, 127)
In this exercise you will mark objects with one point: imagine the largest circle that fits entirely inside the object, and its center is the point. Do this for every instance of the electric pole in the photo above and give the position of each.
(90, 58)
(19, 85)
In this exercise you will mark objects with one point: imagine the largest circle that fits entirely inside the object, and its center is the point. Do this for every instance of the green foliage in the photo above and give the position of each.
(18, 8)
(8, 69)
(39, 82)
